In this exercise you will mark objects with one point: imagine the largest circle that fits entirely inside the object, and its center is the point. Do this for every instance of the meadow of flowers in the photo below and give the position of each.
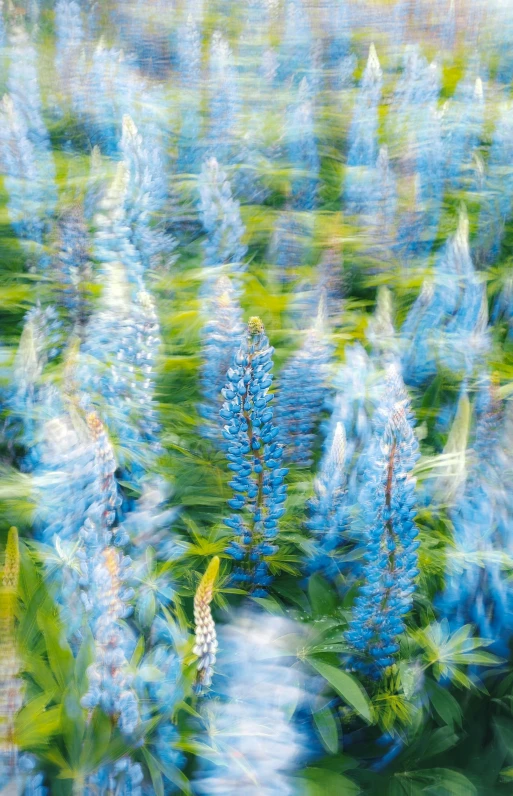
(256, 381)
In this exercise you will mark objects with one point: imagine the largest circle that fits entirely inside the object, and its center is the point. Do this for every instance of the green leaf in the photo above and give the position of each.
(346, 686)
(320, 782)
(58, 650)
(444, 703)
(155, 774)
(504, 731)
(321, 596)
(327, 728)
(441, 740)
(35, 725)
(446, 781)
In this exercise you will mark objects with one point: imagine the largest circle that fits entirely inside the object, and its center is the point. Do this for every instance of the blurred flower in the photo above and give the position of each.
(302, 392)
(220, 216)
(390, 557)
(222, 334)
(256, 744)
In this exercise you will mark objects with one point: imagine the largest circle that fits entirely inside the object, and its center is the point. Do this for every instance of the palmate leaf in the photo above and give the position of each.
(447, 653)
(36, 724)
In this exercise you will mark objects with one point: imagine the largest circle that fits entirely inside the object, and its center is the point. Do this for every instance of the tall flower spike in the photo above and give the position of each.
(189, 63)
(328, 509)
(363, 151)
(206, 641)
(302, 151)
(498, 189)
(254, 457)
(220, 215)
(477, 588)
(105, 596)
(447, 324)
(416, 132)
(224, 99)
(390, 545)
(298, 410)
(463, 125)
(221, 339)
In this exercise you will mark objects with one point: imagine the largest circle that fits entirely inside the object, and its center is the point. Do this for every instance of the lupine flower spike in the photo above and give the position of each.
(297, 412)
(254, 457)
(206, 642)
(390, 555)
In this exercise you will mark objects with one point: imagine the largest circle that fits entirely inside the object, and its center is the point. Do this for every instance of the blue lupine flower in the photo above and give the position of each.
(221, 339)
(498, 187)
(296, 45)
(189, 69)
(104, 572)
(416, 127)
(146, 191)
(298, 410)
(254, 458)
(40, 342)
(122, 776)
(390, 557)
(26, 149)
(477, 589)
(69, 37)
(23, 88)
(122, 338)
(148, 521)
(29, 180)
(463, 126)
(380, 330)
(447, 324)
(338, 45)
(363, 151)
(302, 151)
(72, 265)
(353, 405)
(328, 508)
(256, 743)
(159, 696)
(386, 198)
(110, 89)
(224, 100)
(289, 244)
(220, 216)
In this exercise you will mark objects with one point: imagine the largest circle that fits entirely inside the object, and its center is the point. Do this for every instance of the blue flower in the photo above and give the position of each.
(224, 99)
(302, 392)
(498, 187)
(221, 338)
(361, 159)
(447, 324)
(189, 70)
(328, 510)
(220, 216)
(390, 543)
(254, 459)
(302, 151)
(476, 588)
(415, 125)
